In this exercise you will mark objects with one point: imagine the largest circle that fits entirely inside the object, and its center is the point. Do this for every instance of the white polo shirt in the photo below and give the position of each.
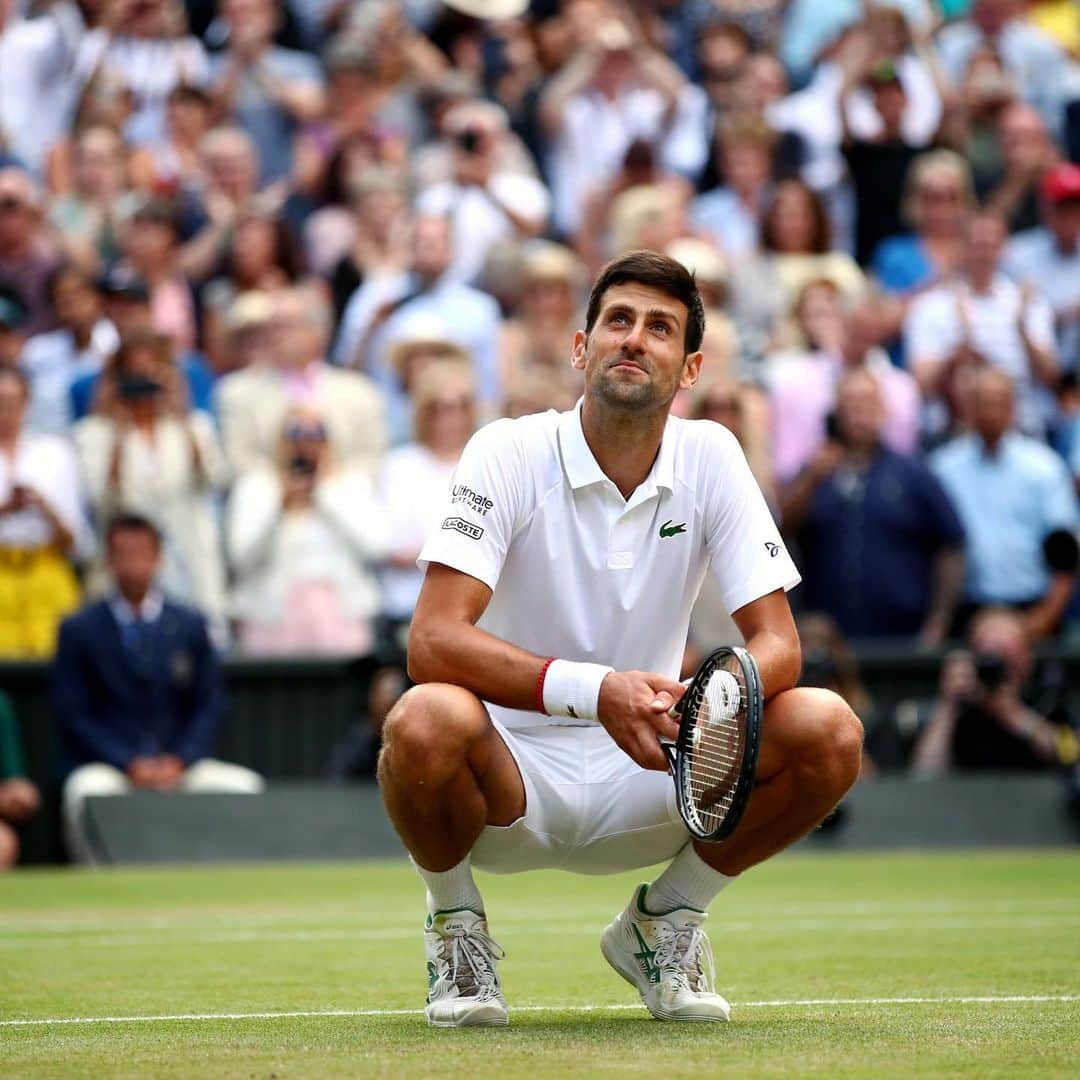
(580, 573)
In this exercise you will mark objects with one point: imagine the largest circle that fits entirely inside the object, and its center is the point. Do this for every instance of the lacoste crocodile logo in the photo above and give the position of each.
(667, 529)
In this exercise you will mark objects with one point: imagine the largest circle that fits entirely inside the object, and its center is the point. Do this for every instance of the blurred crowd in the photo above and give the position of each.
(264, 268)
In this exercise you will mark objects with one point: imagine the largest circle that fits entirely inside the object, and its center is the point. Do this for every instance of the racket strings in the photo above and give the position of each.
(716, 749)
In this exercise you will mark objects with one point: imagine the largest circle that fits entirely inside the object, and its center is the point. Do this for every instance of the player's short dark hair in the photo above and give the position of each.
(655, 271)
(129, 521)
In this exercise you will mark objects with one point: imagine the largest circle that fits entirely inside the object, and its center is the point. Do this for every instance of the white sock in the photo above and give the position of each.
(451, 890)
(689, 882)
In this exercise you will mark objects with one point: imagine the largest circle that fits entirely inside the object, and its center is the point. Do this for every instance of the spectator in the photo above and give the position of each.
(380, 311)
(1036, 63)
(80, 346)
(1028, 155)
(795, 247)
(614, 90)
(19, 797)
(304, 536)
(246, 333)
(136, 689)
(269, 91)
(27, 255)
(416, 477)
(992, 710)
(149, 242)
(36, 90)
(1048, 258)
(731, 213)
(938, 197)
(146, 50)
(535, 339)
(175, 162)
(485, 204)
(127, 308)
(146, 451)
(882, 546)
(356, 755)
(983, 316)
(254, 402)
(41, 527)
(1018, 507)
(802, 383)
(87, 217)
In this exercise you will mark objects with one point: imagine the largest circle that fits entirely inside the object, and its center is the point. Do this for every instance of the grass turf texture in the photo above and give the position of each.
(271, 939)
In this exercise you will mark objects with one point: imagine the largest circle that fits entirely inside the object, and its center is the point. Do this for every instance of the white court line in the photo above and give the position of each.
(186, 937)
(1001, 999)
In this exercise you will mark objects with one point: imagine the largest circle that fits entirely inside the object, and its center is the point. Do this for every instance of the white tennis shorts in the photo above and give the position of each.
(589, 808)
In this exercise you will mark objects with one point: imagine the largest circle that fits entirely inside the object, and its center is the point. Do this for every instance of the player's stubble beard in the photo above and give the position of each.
(630, 394)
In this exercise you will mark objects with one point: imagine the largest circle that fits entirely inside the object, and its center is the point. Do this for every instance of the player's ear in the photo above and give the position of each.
(691, 371)
(577, 355)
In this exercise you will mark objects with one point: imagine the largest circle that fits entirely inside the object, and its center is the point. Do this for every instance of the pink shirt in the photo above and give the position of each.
(802, 389)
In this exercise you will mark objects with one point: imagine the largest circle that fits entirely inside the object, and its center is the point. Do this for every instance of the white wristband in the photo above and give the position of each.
(572, 689)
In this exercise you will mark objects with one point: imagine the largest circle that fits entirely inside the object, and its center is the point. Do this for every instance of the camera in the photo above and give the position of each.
(302, 465)
(470, 140)
(137, 387)
(991, 671)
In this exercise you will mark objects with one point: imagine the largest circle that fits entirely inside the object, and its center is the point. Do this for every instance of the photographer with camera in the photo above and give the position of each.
(994, 710)
(304, 538)
(146, 451)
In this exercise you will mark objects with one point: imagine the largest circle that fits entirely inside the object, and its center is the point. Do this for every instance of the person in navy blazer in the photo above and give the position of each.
(137, 689)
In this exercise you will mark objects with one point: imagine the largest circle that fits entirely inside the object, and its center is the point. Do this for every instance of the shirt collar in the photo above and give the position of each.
(151, 607)
(582, 469)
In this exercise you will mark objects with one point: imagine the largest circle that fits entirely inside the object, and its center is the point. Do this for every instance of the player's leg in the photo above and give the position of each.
(445, 775)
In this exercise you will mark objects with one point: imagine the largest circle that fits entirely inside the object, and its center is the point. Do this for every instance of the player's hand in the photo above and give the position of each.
(634, 708)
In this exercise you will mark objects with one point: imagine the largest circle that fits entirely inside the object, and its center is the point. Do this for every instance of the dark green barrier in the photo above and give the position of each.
(285, 716)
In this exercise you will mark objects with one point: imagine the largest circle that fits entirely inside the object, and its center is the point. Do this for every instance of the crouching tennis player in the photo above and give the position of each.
(584, 537)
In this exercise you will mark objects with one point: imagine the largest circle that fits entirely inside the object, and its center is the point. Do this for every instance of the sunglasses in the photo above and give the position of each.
(445, 405)
(309, 432)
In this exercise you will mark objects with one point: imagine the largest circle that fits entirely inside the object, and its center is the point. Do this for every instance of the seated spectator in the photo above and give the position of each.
(246, 333)
(1034, 61)
(41, 528)
(136, 689)
(415, 479)
(149, 243)
(485, 204)
(984, 316)
(882, 545)
(535, 337)
(252, 403)
(731, 213)
(146, 451)
(146, 49)
(1048, 258)
(938, 197)
(993, 709)
(1028, 155)
(270, 91)
(19, 797)
(175, 162)
(304, 536)
(87, 217)
(356, 755)
(127, 308)
(795, 248)
(1018, 506)
(27, 254)
(80, 346)
(802, 383)
(379, 312)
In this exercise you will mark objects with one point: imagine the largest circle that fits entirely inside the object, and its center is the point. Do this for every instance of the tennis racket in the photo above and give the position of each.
(714, 759)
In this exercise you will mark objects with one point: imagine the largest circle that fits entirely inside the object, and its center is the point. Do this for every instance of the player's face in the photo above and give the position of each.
(634, 355)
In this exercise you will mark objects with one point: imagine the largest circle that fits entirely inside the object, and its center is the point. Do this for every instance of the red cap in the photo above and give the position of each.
(1062, 182)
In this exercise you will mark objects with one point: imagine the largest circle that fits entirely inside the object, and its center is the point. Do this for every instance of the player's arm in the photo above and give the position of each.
(769, 630)
(446, 645)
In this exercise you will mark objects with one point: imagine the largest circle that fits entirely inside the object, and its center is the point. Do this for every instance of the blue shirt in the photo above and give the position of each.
(1009, 503)
(900, 264)
(200, 380)
(869, 544)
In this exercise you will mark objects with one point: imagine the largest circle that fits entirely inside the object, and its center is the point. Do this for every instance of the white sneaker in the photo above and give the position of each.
(668, 958)
(463, 986)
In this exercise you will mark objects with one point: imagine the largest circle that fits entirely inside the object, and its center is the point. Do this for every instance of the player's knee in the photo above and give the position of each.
(841, 741)
(431, 722)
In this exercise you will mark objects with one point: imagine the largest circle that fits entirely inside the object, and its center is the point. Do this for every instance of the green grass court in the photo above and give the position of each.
(317, 971)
